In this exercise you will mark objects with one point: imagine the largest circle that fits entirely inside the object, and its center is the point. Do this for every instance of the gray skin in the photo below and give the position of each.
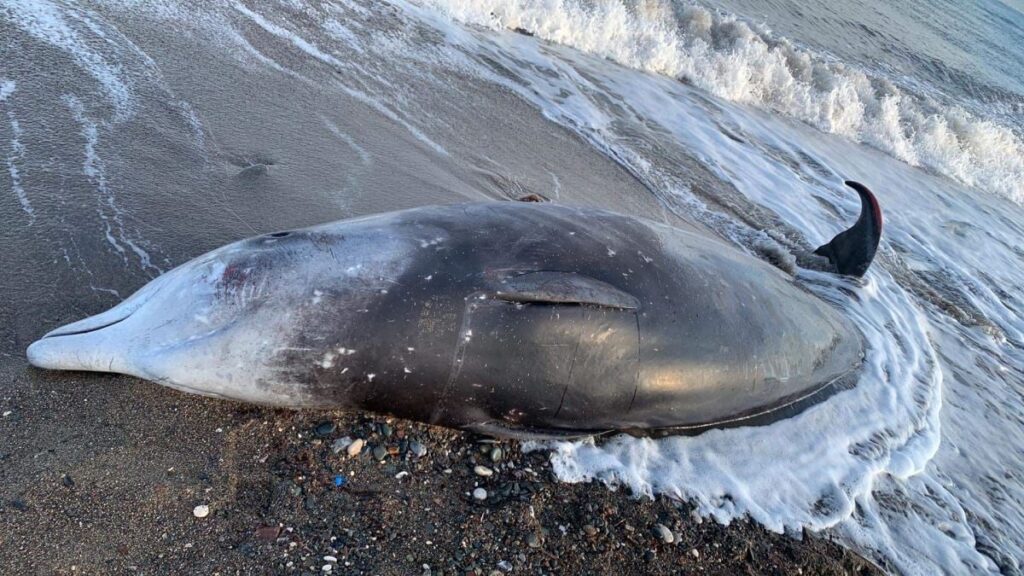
(509, 318)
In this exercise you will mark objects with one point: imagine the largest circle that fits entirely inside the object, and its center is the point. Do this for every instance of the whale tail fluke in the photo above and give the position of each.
(853, 249)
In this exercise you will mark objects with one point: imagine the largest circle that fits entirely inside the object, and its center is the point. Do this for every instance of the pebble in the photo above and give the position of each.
(505, 566)
(267, 534)
(201, 511)
(650, 555)
(327, 567)
(340, 444)
(380, 452)
(331, 559)
(418, 449)
(695, 553)
(355, 447)
(664, 533)
(480, 494)
(533, 541)
(590, 530)
(483, 471)
(496, 455)
(385, 430)
(325, 428)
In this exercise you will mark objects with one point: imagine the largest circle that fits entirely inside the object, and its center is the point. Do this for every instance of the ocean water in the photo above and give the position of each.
(743, 116)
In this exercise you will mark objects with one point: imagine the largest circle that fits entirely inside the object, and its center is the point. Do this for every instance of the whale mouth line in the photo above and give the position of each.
(57, 333)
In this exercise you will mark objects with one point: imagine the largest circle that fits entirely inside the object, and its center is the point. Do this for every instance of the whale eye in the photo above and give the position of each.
(279, 234)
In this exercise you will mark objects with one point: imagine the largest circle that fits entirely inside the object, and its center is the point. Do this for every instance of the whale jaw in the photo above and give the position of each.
(89, 345)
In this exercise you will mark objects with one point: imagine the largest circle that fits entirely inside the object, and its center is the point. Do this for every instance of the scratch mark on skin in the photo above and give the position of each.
(568, 383)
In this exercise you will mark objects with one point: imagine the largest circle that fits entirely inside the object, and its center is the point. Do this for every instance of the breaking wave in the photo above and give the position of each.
(746, 63)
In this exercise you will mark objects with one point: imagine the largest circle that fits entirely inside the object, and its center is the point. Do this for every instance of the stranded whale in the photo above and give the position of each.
(506, 318)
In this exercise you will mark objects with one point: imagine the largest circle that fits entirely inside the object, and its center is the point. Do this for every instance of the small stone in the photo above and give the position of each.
(380, 452)
(324, 429)
(385, 430)
(68, 481)
(201, 511)
(664, 533)
(331, 559)
(483, 471)
(340, 444)
(533, 541)
(355, 447)
(480, 494)
(589, 530)
(497, 455)
(650, 555)
(505, 566)
(418, 450)
(695, 553)
(328, 567)
(267, 534)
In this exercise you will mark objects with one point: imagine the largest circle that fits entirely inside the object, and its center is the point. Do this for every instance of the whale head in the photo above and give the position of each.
(245, 321)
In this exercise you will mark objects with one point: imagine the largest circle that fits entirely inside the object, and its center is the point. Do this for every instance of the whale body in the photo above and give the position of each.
(506, 318)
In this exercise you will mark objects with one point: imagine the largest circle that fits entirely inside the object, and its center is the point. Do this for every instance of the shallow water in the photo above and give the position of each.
(234, 119)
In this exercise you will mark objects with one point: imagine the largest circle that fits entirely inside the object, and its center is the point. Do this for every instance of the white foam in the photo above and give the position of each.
(45, 21)
(315, 51)
(364, 156)
(741, 63)
(7, 87)
(17, 155)
(108, 210)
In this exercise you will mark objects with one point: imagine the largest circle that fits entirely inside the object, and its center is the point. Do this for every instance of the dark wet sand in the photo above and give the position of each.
(99, 474)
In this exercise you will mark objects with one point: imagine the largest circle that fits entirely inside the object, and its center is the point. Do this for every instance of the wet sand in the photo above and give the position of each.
(101, 475)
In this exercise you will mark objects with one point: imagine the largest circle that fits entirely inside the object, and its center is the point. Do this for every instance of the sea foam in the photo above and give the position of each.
(748, 64)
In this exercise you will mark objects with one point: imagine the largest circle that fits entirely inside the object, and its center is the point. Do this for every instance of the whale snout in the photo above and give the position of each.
(90, 344)
(95, 343)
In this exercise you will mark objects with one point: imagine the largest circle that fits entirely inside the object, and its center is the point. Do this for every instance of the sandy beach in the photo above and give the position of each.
(102, 475)
(137, 136)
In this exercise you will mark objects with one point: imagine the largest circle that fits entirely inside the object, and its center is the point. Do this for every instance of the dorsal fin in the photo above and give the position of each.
(852, 250)
(563, 288)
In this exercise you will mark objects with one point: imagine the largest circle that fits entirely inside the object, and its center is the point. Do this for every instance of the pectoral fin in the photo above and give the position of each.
(563, 288)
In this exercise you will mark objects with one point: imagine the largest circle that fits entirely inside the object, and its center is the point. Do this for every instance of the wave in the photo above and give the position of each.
(744, 63)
